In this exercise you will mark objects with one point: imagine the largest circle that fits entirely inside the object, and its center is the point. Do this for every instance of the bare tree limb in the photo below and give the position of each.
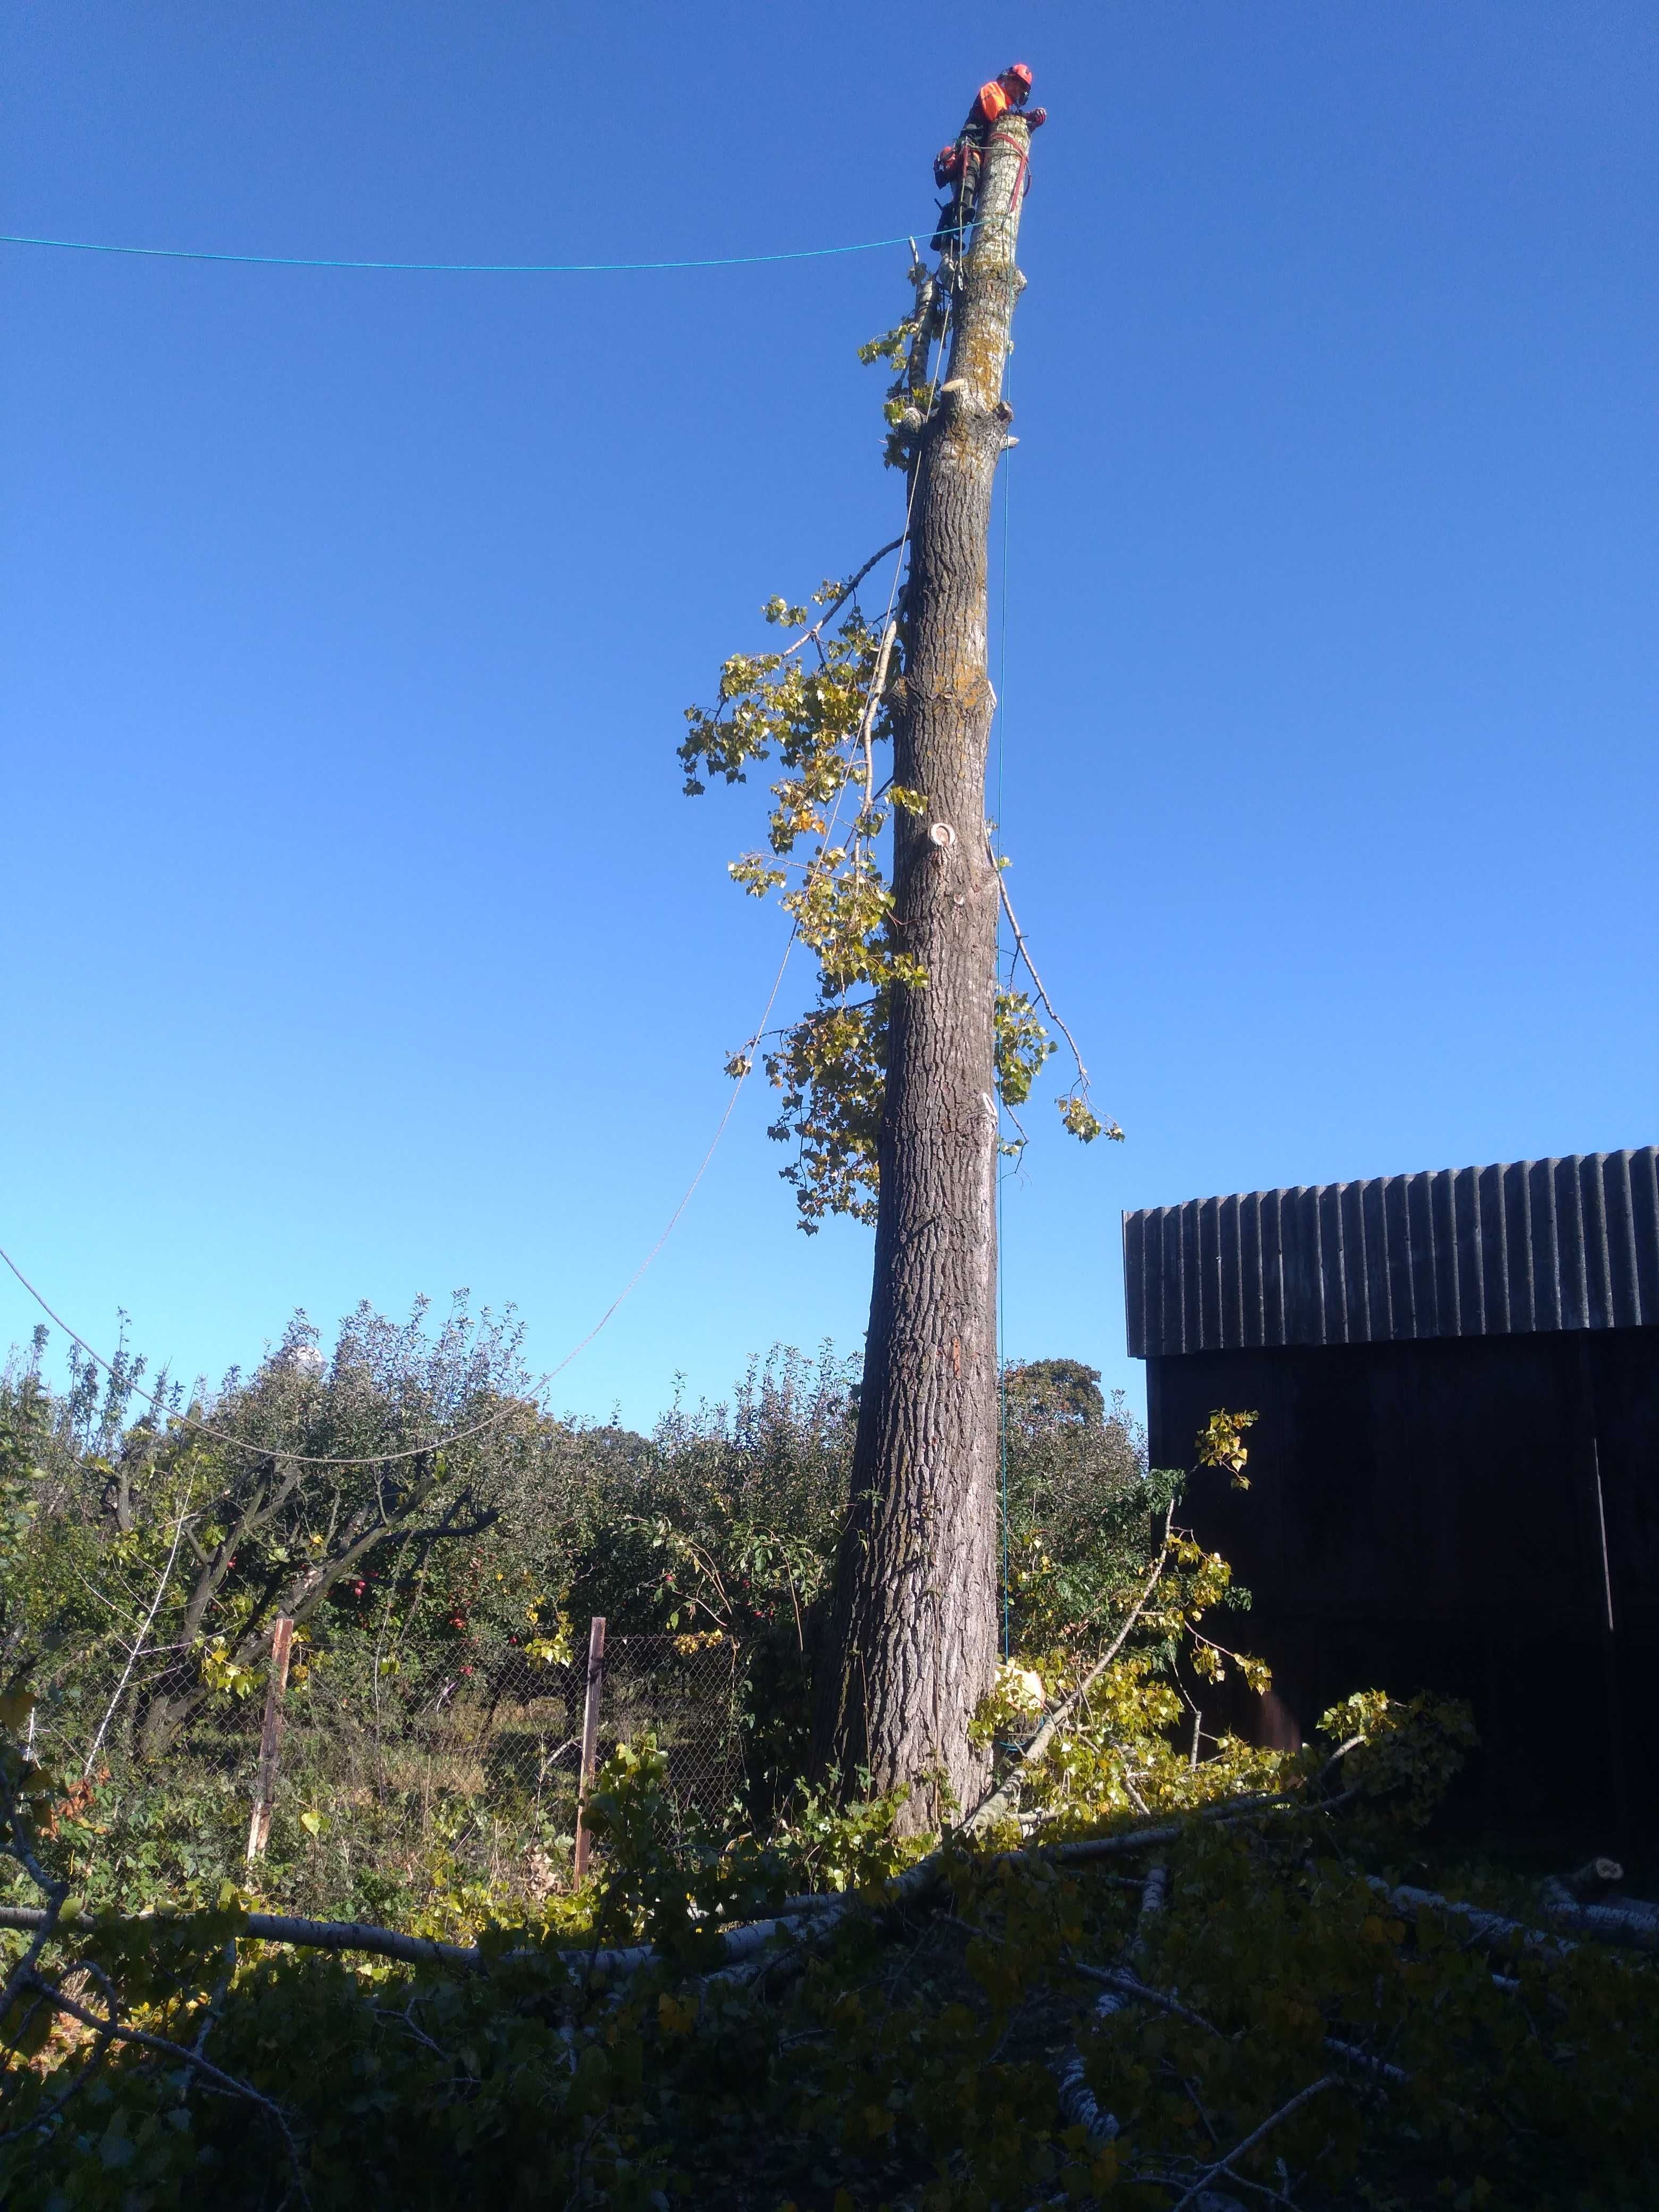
(867, 719)
(1077, 2100)
(112, 2030)
(1225, 2164)
(1025, 954)
(842, 597)
(1490, 1929)
(149, 1623)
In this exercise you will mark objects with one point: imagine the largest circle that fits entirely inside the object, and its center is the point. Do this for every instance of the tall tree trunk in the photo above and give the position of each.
(914, 1621)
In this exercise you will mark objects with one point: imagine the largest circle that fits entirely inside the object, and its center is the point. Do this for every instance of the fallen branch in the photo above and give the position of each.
(1489, 1928)
(1589, 1882)
(1631, 1922)
(1131, 1987)
(1001, 1799)
(738, 1942)
(359, 1936)
(110, 2030)
(1166, 1829)
(1225, 2164)
(1077, 2101)
(274, 1928)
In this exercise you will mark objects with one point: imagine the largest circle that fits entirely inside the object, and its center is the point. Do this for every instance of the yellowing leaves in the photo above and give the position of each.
(224, 1672)
(1221, 1444)
(818, 707)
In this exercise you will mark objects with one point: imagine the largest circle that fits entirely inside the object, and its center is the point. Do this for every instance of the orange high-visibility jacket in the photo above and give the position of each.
(991, 102)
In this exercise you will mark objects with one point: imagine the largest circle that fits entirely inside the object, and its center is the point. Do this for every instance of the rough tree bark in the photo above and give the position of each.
(912, 1628)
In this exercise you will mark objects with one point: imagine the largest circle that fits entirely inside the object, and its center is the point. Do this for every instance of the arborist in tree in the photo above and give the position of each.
(956, 167)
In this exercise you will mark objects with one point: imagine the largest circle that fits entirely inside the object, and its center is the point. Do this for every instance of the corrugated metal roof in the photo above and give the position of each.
(1497, 1251)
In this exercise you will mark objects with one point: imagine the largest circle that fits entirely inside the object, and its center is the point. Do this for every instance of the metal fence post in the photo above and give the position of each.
(590, 1736)
(271, 1738)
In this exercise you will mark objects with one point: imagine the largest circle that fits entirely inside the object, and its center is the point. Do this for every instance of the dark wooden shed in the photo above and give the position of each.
(1455, 1474)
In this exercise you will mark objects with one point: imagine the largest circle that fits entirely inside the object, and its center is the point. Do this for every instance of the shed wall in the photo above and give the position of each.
(1430, 1514)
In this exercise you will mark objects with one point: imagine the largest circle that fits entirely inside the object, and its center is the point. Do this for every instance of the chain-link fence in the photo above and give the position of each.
(686, 1691)
(436, 1773)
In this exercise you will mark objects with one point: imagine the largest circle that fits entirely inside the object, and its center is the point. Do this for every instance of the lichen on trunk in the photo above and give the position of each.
(914, 1623)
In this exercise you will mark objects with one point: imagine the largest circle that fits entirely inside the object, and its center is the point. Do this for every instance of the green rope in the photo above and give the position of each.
(1002, 1334)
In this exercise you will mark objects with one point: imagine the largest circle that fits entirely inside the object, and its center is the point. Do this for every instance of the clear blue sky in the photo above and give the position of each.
(359, 941)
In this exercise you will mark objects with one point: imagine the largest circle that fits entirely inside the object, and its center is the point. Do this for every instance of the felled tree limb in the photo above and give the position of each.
(359, 1936)
(739, 1942)
(1626, 1926)
(1003, 1798)
(1077, 2101)
(1133, 1988)
(1490, 1929)
(111, 2030)
(1630, 1921)
(1274, 2119)
(1589, 1882)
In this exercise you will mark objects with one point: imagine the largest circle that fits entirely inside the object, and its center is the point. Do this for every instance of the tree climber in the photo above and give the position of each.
(956, 167)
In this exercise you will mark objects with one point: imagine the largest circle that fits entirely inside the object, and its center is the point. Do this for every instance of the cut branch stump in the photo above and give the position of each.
(590, 1737)
(270, 1739)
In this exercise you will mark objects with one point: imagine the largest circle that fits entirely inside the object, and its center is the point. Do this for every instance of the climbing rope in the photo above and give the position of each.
(454, 268)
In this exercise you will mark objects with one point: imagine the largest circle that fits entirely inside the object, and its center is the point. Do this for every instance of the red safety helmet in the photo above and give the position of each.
(1022, 71)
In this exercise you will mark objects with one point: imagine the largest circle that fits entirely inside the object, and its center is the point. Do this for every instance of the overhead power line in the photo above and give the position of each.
(507, 1412)
(456, 1436)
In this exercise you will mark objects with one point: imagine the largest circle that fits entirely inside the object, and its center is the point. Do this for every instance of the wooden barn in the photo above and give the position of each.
(1454, 1472)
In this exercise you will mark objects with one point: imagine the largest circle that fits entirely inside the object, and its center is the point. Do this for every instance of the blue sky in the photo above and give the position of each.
(359, 941)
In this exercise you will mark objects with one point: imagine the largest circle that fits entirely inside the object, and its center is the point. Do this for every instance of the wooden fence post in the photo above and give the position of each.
(270, 1739)
(590, 1736)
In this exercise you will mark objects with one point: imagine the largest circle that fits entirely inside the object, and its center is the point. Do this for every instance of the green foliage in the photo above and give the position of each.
(1404, 1756)
(819, 707)
(820, 720)
(829, 1840)
(721, 1523)
(1082, 1511)
(1022, 1045)
(671, 1888)
(907, 349)
(911, 2057)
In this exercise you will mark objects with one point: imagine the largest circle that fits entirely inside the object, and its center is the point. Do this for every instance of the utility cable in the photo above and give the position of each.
(477, 1428)
(507, 1413)
(493, 1420)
